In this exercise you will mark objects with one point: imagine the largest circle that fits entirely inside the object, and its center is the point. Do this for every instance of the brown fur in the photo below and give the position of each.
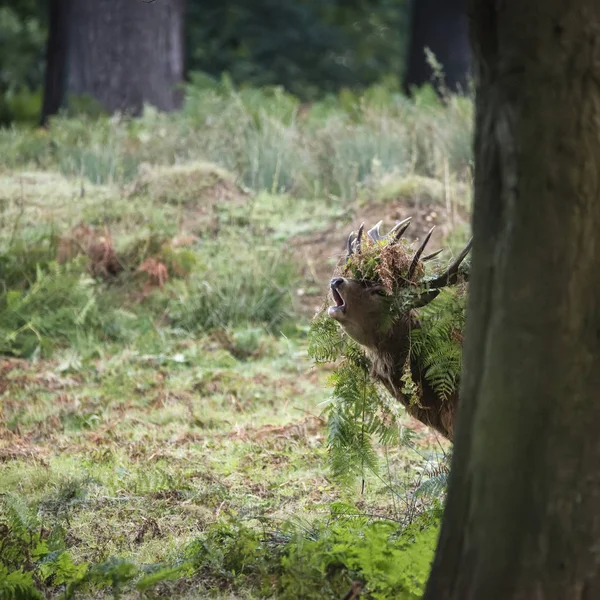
(363, 318)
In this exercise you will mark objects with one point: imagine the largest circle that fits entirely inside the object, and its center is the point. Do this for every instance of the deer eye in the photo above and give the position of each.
(379, 292)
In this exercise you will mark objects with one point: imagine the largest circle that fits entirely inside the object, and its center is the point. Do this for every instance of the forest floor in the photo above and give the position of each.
(162, 427)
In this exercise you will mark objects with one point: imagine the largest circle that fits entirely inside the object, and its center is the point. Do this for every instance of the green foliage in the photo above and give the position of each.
(322, 558)
(352, 420)
(61, 569)
(391, 562)
(46, 306)
(32, 559)
(307, 47)
(24, 254)
(437, 344)
(114, 573)
(318, 560)
(60, 306)
(325, 343)
(17, 585)
(335, 147)
(233, 284)
(357, 411)
(28, 549)
(22, 40)
(229, 551)
(22, 541)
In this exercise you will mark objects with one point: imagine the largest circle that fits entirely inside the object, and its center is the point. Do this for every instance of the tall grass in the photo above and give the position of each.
(234, 284)
(265, 136)
(52, 306)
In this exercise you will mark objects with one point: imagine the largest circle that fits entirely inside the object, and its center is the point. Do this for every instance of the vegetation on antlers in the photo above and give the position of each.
(417, 342)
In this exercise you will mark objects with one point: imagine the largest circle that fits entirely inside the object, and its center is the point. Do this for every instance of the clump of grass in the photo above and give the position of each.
(235, 283)
(354, 152)
(61, 307)
(189, 183)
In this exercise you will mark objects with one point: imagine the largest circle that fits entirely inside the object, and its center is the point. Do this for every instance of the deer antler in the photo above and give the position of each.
(448, 277)
(349, 245)
(354, 244)
(374, 234)
(417, 256)
(400, 228)
(432, 255)
(359, 237)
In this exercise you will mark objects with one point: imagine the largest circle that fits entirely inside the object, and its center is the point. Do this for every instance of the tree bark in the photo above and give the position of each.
(55, 76)
(522, 519)
(122, 53)
(441, 26)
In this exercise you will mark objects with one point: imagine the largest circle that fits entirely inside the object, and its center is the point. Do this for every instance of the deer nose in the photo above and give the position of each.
(336, 282)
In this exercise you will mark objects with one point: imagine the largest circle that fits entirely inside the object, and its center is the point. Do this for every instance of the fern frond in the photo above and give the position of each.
(437, 345)
(325, 341)
(433, 486)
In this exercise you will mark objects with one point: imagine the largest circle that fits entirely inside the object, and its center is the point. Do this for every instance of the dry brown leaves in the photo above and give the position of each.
(97, 246)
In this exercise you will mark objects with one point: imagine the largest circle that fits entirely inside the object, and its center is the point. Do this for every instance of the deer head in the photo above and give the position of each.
(363, 305)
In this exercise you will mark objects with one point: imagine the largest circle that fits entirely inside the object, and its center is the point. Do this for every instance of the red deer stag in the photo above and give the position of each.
(365, 309)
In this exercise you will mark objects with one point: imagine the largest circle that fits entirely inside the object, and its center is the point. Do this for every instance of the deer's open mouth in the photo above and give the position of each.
(340, 305)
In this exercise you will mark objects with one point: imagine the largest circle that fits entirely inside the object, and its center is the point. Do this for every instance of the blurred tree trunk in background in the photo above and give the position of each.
(56, 49)
(522, 519)
(121, 53)
(441, 26)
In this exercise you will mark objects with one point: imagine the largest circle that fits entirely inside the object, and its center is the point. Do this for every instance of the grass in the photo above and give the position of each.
(266, 137)
(161, 427)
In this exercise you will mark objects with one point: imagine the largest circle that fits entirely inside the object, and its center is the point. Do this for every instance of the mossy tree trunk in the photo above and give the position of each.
(121, 53)
(441, 26)
(522, 519)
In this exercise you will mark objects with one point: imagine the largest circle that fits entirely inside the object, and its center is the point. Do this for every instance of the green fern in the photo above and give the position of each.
(436, 346)
(20, 530)
(17, 585)
(357, 411)
(325, 340)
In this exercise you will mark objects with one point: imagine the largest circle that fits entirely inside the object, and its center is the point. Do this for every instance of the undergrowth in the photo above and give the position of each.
(160, 433)
(318, 559)
(46, 305)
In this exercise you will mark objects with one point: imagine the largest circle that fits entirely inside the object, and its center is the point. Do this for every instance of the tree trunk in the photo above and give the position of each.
(441, 26)
(55, 76)
(121, 53)
(522, 519)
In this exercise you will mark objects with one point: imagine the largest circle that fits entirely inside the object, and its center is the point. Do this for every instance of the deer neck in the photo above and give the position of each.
(388, 361)
(389, 356)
